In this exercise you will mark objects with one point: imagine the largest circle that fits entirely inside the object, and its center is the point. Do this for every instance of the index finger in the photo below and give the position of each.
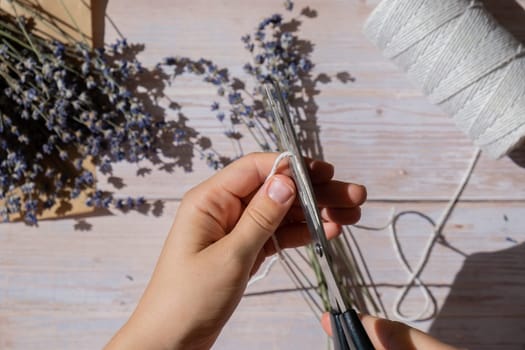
(242, 177)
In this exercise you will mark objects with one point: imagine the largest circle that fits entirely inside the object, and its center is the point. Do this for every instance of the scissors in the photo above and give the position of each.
(348, 331)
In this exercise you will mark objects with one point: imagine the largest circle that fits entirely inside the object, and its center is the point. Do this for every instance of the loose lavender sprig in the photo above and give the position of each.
(277, 53)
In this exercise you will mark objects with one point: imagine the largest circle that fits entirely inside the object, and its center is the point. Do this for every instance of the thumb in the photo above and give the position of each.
(262, 216)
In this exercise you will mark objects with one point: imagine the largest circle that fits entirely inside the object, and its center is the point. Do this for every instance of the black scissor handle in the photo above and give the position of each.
(338, 333)
(348, 332)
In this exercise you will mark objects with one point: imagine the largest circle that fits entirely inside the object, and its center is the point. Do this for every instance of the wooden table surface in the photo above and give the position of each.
(70, 283)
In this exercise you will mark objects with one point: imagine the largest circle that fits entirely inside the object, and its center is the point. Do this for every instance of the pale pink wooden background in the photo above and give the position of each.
(62, 288)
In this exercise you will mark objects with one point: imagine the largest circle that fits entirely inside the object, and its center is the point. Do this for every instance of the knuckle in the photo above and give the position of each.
(253, 157)
(189, 195)
(206, 203)
(262, 220)
(192, 198)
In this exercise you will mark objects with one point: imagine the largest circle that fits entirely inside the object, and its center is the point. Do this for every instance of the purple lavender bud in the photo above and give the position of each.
(30, 219)
(259, 59)
(286, 40)
(248, 68)
(234, 98)
(305, 65)
(63, 155)
(169, 61)
(179, 135)
(259, 36)
(246, 38)
(85, 68)
(140, 201)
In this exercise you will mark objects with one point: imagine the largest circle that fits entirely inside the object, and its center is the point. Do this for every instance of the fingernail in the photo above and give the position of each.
(279, 192)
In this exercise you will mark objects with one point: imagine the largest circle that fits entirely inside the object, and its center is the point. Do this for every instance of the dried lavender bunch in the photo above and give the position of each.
(58, 111)
(61, 105)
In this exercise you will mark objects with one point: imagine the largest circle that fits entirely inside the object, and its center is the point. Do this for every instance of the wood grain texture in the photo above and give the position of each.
(53, 11)
(61, 288)
(71, 283)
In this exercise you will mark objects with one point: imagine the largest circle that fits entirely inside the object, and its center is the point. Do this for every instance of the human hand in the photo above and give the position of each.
(391, 335)
(220, 236)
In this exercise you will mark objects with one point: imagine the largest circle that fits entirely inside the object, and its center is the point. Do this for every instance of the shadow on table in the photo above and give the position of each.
(486, 306)
(518, 156)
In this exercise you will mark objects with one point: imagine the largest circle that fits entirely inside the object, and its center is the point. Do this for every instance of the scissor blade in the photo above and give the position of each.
(288, 142)
(349, 333)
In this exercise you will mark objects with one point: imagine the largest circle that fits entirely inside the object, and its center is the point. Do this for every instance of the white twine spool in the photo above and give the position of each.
(463, 60)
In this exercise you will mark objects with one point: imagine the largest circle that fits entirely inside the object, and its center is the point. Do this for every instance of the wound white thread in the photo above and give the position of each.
(463, 60)
(278, 160)
(262, 275)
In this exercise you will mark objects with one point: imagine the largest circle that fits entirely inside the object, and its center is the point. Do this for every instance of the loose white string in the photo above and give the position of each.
(463, 60)
(263, 273)
(437, 232)
(429, 308)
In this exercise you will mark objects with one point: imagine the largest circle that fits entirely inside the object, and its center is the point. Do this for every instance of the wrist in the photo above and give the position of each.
(130, 338)
(142, 332)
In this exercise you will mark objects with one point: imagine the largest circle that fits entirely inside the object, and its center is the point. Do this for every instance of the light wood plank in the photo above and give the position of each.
(61, 288)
